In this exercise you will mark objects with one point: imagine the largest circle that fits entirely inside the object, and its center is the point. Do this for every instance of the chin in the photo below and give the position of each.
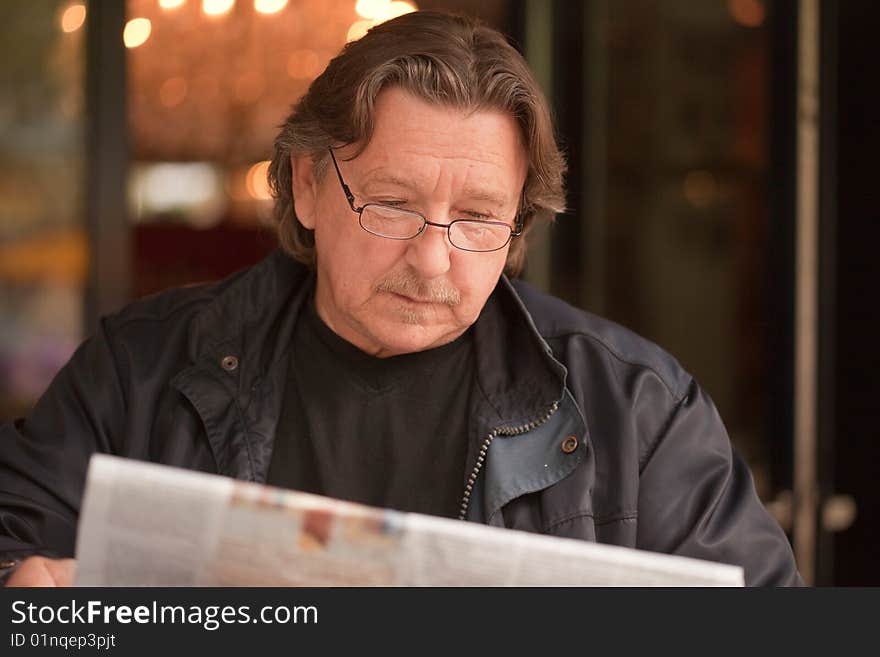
(406, 338)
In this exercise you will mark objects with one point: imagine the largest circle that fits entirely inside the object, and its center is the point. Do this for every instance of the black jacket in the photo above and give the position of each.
(581, 428)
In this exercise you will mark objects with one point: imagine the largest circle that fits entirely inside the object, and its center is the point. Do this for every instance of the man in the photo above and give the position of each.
(384, 357)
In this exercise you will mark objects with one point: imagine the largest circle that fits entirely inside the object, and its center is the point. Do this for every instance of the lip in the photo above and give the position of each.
(403, 297)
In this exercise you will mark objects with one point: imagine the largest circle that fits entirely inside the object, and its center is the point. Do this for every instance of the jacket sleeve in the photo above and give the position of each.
(43, 458)
(697, 499)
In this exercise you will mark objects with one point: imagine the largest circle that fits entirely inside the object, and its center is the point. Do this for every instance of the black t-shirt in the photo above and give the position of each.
(388, 432)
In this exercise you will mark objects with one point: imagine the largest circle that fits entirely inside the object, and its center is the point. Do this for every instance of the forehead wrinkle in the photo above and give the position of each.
(388, 178)
(466, 190)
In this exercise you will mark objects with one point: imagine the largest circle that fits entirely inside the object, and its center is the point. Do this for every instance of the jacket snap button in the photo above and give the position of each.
(569, 444)
(229, 363)
(7, 563)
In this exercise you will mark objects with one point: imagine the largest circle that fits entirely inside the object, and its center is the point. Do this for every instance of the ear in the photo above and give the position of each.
(305, 189)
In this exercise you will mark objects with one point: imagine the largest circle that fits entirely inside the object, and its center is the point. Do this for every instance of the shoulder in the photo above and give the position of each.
(233, 295)
(171, 305)
(184, 322)
(151, 337)
(575, 333)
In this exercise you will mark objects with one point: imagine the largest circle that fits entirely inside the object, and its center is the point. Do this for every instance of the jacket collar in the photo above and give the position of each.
(524, 403)
(516, 371)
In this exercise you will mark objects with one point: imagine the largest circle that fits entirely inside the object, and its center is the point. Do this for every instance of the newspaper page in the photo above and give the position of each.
(144, 524)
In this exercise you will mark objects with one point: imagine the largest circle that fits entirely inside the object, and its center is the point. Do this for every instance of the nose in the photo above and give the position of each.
(428, 253)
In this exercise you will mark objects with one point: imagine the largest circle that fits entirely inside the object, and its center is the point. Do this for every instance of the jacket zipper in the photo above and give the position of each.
(484, 449)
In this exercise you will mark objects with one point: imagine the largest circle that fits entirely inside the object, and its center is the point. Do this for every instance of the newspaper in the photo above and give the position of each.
(144, 524)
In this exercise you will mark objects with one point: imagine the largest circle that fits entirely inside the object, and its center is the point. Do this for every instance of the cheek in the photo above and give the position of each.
(353, 259)
(337, 234)
(475, 277)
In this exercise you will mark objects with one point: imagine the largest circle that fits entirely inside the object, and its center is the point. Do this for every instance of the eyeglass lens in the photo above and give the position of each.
(396, 223)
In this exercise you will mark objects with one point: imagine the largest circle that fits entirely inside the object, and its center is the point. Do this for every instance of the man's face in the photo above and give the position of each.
(391, 297)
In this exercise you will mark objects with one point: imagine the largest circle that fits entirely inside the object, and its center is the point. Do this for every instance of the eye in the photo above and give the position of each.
(480, 216)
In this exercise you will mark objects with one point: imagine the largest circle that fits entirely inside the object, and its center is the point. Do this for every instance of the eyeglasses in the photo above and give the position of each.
(398, 224)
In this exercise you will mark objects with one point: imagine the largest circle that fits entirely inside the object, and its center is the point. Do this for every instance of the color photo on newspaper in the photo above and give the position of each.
(144, 524)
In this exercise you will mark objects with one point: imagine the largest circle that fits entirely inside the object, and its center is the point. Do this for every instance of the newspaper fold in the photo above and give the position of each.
(144, 524)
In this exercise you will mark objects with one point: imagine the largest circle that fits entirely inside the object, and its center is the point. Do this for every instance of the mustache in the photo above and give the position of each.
(407, 283)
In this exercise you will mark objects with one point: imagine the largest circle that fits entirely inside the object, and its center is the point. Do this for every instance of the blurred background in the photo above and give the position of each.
(721, 197)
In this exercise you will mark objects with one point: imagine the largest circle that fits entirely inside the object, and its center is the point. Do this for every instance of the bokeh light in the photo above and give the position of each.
(136, 32)
(748, 13)
(375, 12)
(217, 7)
(269, 6)
(395, 9)
(256, 182)
(370, 8)
(173, 92)
(700, 188)
(358, 29)
(73, 17)
(303, 64)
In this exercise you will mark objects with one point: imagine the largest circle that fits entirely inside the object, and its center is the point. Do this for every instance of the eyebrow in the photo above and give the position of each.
(469, 193)
(389, 179)
(483, 195)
